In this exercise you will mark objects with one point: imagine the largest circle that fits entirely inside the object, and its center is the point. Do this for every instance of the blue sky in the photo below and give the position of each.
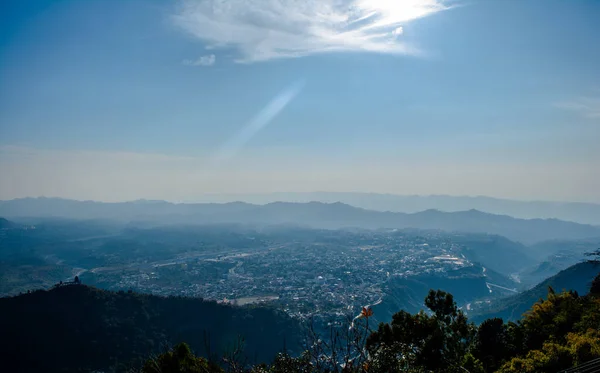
(122, 100)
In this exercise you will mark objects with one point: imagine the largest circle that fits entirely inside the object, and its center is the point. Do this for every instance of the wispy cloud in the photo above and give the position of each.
(266, 29)
(588, 107)
(207, 60)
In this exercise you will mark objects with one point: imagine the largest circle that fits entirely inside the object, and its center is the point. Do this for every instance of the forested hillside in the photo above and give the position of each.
(79, 328)
(576, 278)
(74, 328)
(557, 334)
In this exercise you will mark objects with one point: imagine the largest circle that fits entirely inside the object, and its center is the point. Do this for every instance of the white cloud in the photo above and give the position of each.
(588, 107)
(207, 60)
(266, 29)
(398, 31)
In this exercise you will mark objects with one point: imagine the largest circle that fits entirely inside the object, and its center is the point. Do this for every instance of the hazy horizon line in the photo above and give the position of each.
(199, 199)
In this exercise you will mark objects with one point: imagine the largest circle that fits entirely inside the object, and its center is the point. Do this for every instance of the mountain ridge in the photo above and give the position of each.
(577, 277)
(314, 214)
(581, 212)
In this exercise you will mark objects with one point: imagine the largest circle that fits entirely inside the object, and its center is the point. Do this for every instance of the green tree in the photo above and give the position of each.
(552, 357)
(180, 359)
(436, 343)
(551, 319)
(491, 343)
(584, 346)
(472, 365)
(595, 286)
(516, 338)
(555, 334)
(284, 363)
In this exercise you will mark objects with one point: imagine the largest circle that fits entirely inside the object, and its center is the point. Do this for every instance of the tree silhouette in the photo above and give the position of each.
(491, 343)
(595, 286)
(180, 359)
(437, 343)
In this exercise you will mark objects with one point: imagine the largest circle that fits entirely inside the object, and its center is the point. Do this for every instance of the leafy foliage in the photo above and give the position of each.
(555, 334)
(180, 359)
(433, 342)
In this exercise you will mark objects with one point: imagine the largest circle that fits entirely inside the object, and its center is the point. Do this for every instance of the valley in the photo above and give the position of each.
(216, 285)
(335, 272)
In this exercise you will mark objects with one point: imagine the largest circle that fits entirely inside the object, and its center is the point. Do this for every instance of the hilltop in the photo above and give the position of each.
(77, 327)
(580, 212)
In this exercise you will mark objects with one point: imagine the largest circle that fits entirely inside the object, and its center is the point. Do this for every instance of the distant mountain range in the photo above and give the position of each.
(551, 257)
(312, 214)
(588, 213)
(577, 277)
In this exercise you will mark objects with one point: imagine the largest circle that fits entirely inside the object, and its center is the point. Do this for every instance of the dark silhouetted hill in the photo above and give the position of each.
(79, 328)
